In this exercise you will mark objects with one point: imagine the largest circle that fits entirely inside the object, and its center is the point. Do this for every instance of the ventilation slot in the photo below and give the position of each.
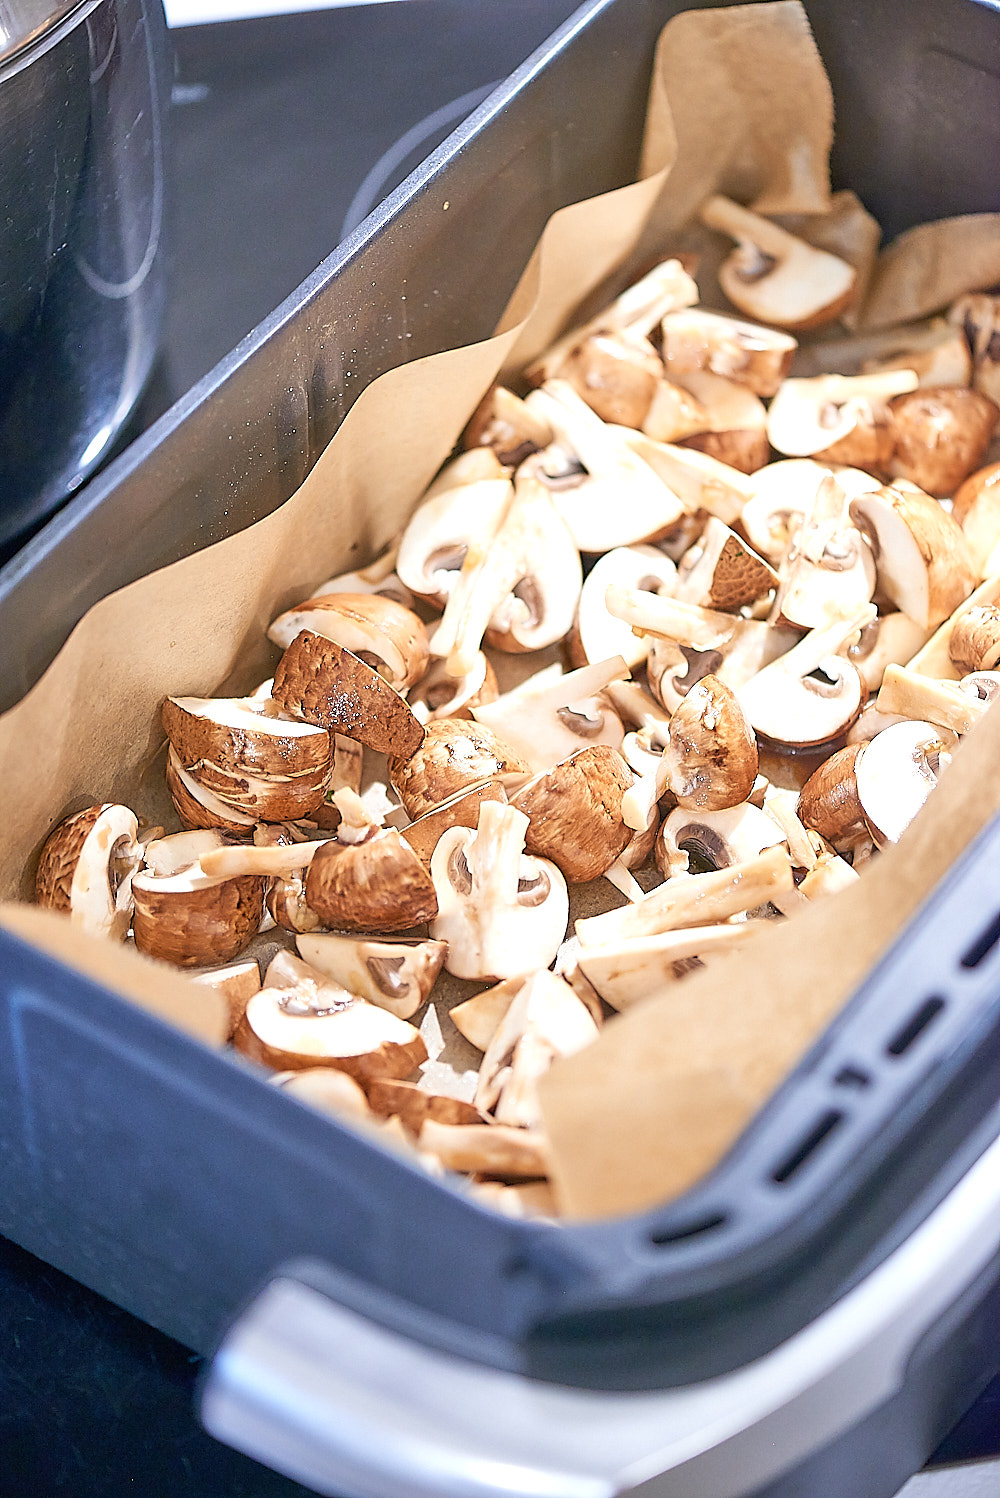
(983, 945)
(810, 1144)
(914, 1027)
(661, 1237)
(854, 1077)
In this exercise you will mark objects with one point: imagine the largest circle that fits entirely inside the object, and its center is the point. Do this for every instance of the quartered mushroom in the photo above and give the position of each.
(710, 758)
(829, 803)
(735, 432)
(453, 519)
(522, 591)
(368, 878)
(721, 571)
(86, 868)
(714, 839)
(978, 316)
(388, 637)
(300, 1019)
(976, 507)
(188, 917)
(617, 374)
(673, 414)
(438, 694)
(699, 481)
(974, 643)
(544, 1020)
(628, 972)
(455, 755)
(504, 423)
(940, 435)
(838, 418)
(896, 773)
(811, 694)
(461, 810)
(574, 812)
(889, 640)
(237, 982)
(197, 806)
(413, 1104)
(829, 569)
(774, 276)
(545, 723)
(397, 975)
(937, 353)
(502, 913)
(695, 338)
(322, 683)
(921, 556)
(489, 1149)
(246, 736)
(596, 635)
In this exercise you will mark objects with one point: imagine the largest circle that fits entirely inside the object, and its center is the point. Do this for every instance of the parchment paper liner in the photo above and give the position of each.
(667, 1088)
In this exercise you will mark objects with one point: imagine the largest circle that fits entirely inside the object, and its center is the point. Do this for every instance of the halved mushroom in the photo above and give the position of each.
(628, 972)
(389, 638)
(502, 913)
(544, 1020)
(781, 497)
(978, 315)
(774, 276)
(245, 736)
(940, 436)
(450, 521)
(714, 839)
(736, 421)
(924, 698)
(811, 694)
(545, 723)
(574, 812)
(829, 569)
(397, 975)
(722, 572)
(438, 694)
(523, 589)
(839, 418)
(710, 759)
(456, 755)
(302, 1019)
(368, 878)
(695, 338)
(596, 635)
(921, 555)
(193, 919)
(828, 802)
(976, 507)
(897, 772)
(86, 868)
(196, 806)
(504, 423)
(890, 640)
(321, 682)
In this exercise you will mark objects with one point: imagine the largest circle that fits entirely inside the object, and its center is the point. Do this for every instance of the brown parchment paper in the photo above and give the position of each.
(89, 730)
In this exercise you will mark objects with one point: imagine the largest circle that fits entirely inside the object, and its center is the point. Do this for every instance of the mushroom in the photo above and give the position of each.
(493, 1149)
(617, 375)
(774, 276)
(321, 682)
(197, 806)
(301, 1019)
(976, 507)
(828, 802)
(937, 354)
(414, 1104)
(574, 812)
(438, 694)
(829, 569)
(246, 736)
(695, 338)
(978, 315)
(86, 868)
(387, 637)
(378, 577)
(940, 436)
(523, 589)
(839, 418)
(699, 481)
(714, 839)
(460, 810)
(544, 1020)
(889, 640)
(502, 913)
(710, 759)
(237, 982)
(627, 972)
(449, 522)
(974, 643)
(185, 916)
(545, 722)
(327, 1090)
(596, 635)
(348, 765)
(265, 798)
(456, 755)
(736, 429)
(397, 975)
(504, 423)
(672, 414)
(368, 878)
(782, 495)
(895, 775)
(922, 697)
(921, 555)
(722, 572)
(811, 694)
(828, 876)
(478, 1018)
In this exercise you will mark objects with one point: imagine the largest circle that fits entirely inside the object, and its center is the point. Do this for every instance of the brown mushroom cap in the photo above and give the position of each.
(376, 885)
(196, 806)
(828, 802)
(921, 556)
(385, 635)
(941, 434)
(710, 761)
(277, 800)
(455, 755)
(414, 1104)
(574, 812)
(86, 866)
(245, 736)
(460, 810)
(323, 683)
(194, 920)
(974, 642)
(616, 376)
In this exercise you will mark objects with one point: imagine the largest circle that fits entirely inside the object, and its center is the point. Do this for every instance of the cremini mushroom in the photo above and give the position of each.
(322, 683)
(326, 1089)
(368, 878)
(828, 802)
(699, 481)
(710, 759)
(545, 722)
(616, 374)
(812, 693)
(545, 1019)
(721, 571)
(896, 773)
(246, 736)
(197, 806)
(237, 982)
(390, 639)
(574, 812)
(492, 1149)
(452, 519)
(735, 430)
(891, 639)
(185, 916)
(976, 507)
(695, 338)
(673, 413)
(829, 569)
(413, 1104)
(978, 316)
(502, 913)
(774, 276)
(921, 555)
(504, 423)
(379, 577)
(937, 353)
(456, 754)
(838, 418)
(86, 868)
(438, 694)
(596, 635)
(922, 697)
(940, 435)
(397, 975)
(628, 972)
(714, 839)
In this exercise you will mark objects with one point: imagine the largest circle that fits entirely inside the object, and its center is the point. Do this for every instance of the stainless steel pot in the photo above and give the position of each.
(83, 90)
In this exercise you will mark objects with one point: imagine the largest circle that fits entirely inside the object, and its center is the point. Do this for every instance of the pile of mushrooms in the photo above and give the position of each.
(751, 610)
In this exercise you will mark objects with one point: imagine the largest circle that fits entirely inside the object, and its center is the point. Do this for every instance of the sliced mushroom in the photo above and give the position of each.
(438, 694)
(673, 413)
(478, 1018)
(828, 876)
(502, 913)
(545, 723)
(896, 774)
(237, 982)
(397, 975)
(245, 736)
(937, 354)
(196, 806)
(699, 481)
(811, 694)
(301, 1019)
(368, 878)
(839, 418)
(194, 919)
(829, 569)
(277, 799)
(736, 422)
(695, 338)
(722, 572)
(504, 423)
(714, 839)
(456, 755)
(627, 972)
(940, 436)
(922, 697)
(389, 638)
(450, 521)
(379, 577)
(493, 1149)
(921, 555)
(574, 812)
(829, 802)
(617, 375)
(976, 507)
(544, 1020)
(774, 276)
(782, 495)
(523, 590)
(892, 639)
(710, 760)
(596, 635)
(974, 643)
(978, 315)
(321, 682)
(86, 868)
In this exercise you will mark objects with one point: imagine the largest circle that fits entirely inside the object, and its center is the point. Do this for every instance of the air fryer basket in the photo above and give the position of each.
(169, 1178)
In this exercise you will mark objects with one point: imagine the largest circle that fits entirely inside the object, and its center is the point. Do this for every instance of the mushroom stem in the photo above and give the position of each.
(940, 702)
(356, 821)
(494, 857)
(228, 862)
(653, 614)
(748, 227)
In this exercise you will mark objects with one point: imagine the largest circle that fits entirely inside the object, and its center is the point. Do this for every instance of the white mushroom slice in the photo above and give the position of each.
(774, 276)
(781, 496)
(890, 640)
(736, 429)
(445, 527)
(619, 500)
(699, 481)
(673, 413)
(502, 913)
(596, 635)
(978, 315)
(438, 694)
(472, 467)
(389, 638)
(923, 698)
(193, 919)
(545, 725)
(504, 423)
(302, 1019)
(86, 868)
(722, 572)
(524, 588)
(397, 975)
(976, 507)
(829, 568)
(780, 803)
(478, 1018)
(982, 686)
(490, 1149)
(815, 415)
(275, 862)
(620, 877)
(245, 736)
(179, 850)
(693, 900)
(896, 774)
(544, 1020)
(698, 339)
(627, 972)
(828, 876)
(714, 839)
(921, 554)
(811, 694)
